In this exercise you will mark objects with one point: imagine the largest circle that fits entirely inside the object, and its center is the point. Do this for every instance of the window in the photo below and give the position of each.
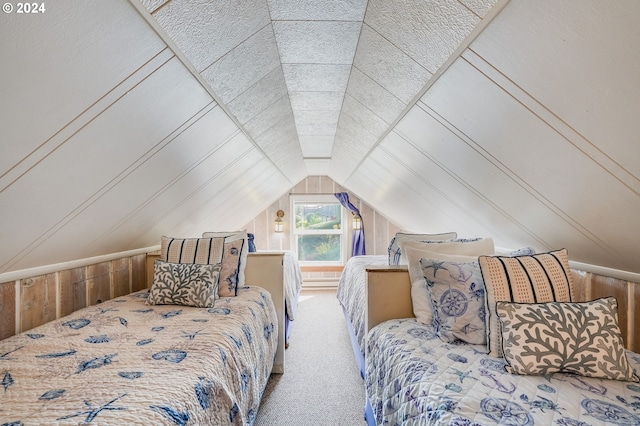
(318, 230)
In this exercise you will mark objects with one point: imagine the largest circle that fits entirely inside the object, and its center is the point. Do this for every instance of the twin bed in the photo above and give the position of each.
(125, 362)
(130, 360)
(412, 376)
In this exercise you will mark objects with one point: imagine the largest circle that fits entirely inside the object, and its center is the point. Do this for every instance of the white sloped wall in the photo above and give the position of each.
(530, 136)
(109, 140)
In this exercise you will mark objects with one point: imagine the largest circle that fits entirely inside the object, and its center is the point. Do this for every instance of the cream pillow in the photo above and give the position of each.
(461, 247)
(395, 255)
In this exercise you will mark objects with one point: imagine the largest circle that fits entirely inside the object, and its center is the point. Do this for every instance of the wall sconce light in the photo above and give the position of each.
(278, 222)
(357, 222)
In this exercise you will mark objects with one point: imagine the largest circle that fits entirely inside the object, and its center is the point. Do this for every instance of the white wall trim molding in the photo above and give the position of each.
(55, 267)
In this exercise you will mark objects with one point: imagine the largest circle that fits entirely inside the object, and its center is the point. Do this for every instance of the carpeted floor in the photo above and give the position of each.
(321, 384)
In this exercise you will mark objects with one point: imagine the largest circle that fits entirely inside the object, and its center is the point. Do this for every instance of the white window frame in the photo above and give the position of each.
(343, 231)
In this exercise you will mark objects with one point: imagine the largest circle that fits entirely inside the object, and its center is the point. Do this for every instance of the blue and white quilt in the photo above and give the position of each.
(123, 362)
(414, 378)
(351, 291)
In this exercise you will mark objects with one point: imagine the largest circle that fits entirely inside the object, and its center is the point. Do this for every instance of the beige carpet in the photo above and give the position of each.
(321, 384)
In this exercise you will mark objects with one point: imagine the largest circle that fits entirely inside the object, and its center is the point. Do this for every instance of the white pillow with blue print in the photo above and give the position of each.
(420, 299)
(456, 291)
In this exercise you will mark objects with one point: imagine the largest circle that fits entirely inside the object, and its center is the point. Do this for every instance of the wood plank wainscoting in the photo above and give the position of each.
(28, 302)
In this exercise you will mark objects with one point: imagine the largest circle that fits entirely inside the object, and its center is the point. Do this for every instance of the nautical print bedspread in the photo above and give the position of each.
(413, 378)
(123, 362)
(351, 291)
(293, 282)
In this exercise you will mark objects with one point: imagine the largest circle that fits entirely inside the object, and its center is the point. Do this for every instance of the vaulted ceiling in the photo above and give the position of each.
(124, 120)
(317, 83)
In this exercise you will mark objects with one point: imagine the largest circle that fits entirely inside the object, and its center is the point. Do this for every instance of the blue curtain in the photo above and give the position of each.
(357, 249)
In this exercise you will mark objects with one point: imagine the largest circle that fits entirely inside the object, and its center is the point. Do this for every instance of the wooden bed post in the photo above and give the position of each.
(266, 270)
(388, 294)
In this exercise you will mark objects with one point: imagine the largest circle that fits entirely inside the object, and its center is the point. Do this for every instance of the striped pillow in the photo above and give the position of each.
(231, 236)
(191, 250)
(540, 278)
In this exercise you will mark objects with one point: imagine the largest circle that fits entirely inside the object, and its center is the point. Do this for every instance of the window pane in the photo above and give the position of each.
(318, 216)
(319, 248)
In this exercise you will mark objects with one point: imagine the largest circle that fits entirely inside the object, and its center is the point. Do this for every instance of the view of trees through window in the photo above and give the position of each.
(318, 231)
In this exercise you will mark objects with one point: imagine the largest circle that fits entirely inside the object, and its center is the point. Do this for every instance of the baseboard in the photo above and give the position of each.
(320, 284)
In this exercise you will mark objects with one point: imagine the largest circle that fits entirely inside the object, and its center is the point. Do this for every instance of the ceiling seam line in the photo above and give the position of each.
(233, 48)
(155, 26)
(156, 194)
(513, 176)
(465, 184)
(550, 125)
(344, 94)
(120, 85)
(56, 227)
(489, 17)
(192, 194)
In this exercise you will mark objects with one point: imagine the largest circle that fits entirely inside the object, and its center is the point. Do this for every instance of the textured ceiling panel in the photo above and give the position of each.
(319, 42)
(375, 97)
(301, 101)
(479, 7)
(374, 124)
(269, 116)
(317, 166)
(356, 136)
(317, 10)
(428, 31)
(194, 25)
(314, 146)
(310, 117)
(389, 66)
(244, 65)
(277, 135)
(259, 96)
(316, 77)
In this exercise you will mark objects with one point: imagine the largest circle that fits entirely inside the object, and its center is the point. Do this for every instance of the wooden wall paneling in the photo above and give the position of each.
(138, 272)
(634, 332)
(7, 309)
(580, 284)
(38, 301)
(634, 316)
(98, 283)
(120, 277)
(604, 287)
(326, 184)
(72, 290)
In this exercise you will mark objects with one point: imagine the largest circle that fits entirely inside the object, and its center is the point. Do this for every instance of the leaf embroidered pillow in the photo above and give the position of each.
(457, 295)
(187, 284)
(563, 337)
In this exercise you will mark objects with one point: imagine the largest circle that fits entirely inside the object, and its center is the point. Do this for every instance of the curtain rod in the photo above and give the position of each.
(312, 193)
(320, 193)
